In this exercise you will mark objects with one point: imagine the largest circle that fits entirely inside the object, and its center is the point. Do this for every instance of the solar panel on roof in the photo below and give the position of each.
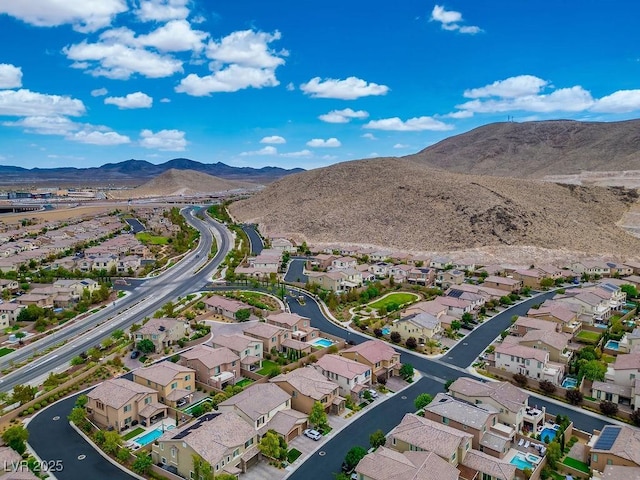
(455, 293)
(607, 438)
(609, 287)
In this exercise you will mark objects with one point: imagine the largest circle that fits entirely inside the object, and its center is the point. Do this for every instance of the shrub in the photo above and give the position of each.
(411, 343)
(382, 380)
(37, 406)
(377, 332)
(574, 396)
(547, 387)
(608, 408)
(395, 337)
(635, 418)
(520, 379)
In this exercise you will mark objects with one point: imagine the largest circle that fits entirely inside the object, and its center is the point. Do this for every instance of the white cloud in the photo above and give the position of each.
(166, 140)
(273, 139)
(574, 99)
(369, 136)
(230, 79)
(84, 15)
(10, 76)
(247, 48)
(53, 125)
(319, 142)
(347, 89)
(401, 145)
(112, 59)
(450, 20)
(165, 100)
(132, 100)
(622, 101)
(162, 10)
(268, 150)
(24, 103)
(299, 154)
(459, 114)
(511, 87)
(174, 36)
(342, 116)
(416, 124)
(99, 138)
(99, 92)
(291, 87)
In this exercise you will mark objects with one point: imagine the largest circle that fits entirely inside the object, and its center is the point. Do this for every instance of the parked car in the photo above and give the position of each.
(312, 434)
(373, 393)
(182, 402)
(135, 354)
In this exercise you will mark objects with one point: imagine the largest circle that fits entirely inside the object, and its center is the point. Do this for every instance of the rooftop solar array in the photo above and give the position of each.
(455, 293)
(607, 438)
(609, 287)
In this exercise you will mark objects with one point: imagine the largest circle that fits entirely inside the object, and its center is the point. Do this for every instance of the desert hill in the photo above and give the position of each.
(536, 149)
(185, 183)
(401, 204)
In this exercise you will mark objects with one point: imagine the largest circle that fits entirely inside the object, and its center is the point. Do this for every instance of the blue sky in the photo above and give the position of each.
(295, 83)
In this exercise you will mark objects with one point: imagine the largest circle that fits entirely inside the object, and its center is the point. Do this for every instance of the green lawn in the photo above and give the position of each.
(397, 298)
(133, 433)
(244, 382)
(588, 337)
(5, 351)
(267, 367)
(147, 238)
(293, 454)
(577, 464)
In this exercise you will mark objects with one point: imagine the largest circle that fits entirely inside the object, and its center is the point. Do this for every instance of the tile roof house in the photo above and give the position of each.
(275, 337)
(223, 440)
(387, 464)
(217, 367)
(352, 377)
(120, 403)
(307, 386)
(506, 284)
(421, 326)
(532, 362)
(247, 348)
(624, 370)
(380, 356)
(523, 325)
(300, 327)
(174, 383)
(226, 307)
(555, 343)
(615, 445)
(163, 332)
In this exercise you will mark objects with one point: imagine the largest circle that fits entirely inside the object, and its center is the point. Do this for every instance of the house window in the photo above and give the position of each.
(233, 364)
(393, 441)
(100, 405)
(217, 370)
(594, 457)
(323, 400)
(127, 408)
(163, 461)
(273, 339)
(453, 457)
(162, 446)
(236, 452)
(174, 385)
(174, 451)
(294, 394)
(191, 475)
(187, 377)
(248, 443)
(147, 400)
(609, 462)
(148, 382)
(445, 420)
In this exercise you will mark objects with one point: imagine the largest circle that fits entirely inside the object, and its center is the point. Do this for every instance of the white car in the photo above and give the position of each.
(373, 393)
(312, 434)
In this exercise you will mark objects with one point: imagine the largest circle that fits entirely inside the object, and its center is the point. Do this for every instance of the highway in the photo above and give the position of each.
(185, 277)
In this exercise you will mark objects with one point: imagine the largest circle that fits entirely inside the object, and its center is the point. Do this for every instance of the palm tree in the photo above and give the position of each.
(431, 344)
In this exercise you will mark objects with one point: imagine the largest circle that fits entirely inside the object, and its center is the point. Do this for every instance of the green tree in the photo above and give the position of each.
(318, 417)
(23, 393)
(554, 453)
(411, 343)
(354, 456)
(94, 353)
(448, 383)
(143, 462)
(270, 445)
(608, 408)
(593, 370)
(82, 401)
(16, 437)
(406, 371)
(466, 318)
(78, 416)
(243, 314)
(146, 346)
(574, 396)
(112, 442)
(123, 454)
(117, 334)
(377, 439)
(547, 282)
(31, 313)
(456, 325)
(77, 360)
(630, 290)
(422, 400)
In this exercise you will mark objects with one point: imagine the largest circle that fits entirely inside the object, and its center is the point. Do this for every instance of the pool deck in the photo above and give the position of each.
(166, 422)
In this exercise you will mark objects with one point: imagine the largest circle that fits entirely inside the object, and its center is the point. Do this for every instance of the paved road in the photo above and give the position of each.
(136, 225)
(294, 272)
(255, 240)
(143, 301)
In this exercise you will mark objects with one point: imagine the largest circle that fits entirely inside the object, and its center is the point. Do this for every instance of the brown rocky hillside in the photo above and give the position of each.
(536, 149)
(185, 183)
(401, 204)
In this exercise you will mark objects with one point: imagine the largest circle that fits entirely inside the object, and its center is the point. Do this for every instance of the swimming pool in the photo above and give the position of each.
(149, 437)
(322, 343)
(570, 382)
(612, 345)
(386, 331)
(525, 460)
(547, 433)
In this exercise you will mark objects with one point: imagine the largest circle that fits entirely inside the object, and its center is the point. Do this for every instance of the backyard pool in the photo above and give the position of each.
(386, 331)
(149, 437)
(547, 433)
(612, 345)
(525, 460)
(569, 383)
(322, 343)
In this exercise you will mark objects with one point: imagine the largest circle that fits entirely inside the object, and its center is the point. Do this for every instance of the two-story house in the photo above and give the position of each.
(614, 445)
(352, 377)
(383, 463)
(342, 263)
(421, 326)
(278, 338)
(249, 349)
(307, 386)
(216, 367)
(383, 360)
(174, 383)
(556, 343)
(591, 268)
(506, 284)
(532, 362)
(300, 327)
(119, 404)
(422, 276)
(227, 308)
(447, 278)
(163, 332)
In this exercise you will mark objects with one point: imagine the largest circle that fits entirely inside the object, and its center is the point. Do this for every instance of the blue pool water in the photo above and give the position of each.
(569, 383)
(323, 343)
(149, 437)
(547, 432)
(386, 331)
(520, 461)
(612, 345)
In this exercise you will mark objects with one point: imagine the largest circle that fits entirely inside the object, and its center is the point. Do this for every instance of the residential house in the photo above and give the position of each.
(380, 269)
(591, 268)
(300, 327)
(555, 343)
(400, 273)
(633, 280)
(227, 308)
(464, 264)
(619, 269)
(342, 263)
(120, 403)
(380, 356)
(307, 386)
(384, 463)
(532, 362)
(614, 445)
(456, 306)
(11, 310)
(522, 325)
(78, 286)
(278, 338)
(267, 407)
(559, 313)
(477, 300)
(613, 392)
(511, 402)
(36, 299)
(441, 263)
(447, 278)
(174, 383)
(268, 259)
(616, 472)
(481, 421)
(422, 276)
(104, 262)
(224, 441)
(216, 367)
(163, 332)
(352, 377)
(506, 284)
(597, 309)
(249, 349)
(530, 278)
(634, 266)
(322, 261)
(283, 244)
(11, 285)
(421, 326)
(625, 370)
